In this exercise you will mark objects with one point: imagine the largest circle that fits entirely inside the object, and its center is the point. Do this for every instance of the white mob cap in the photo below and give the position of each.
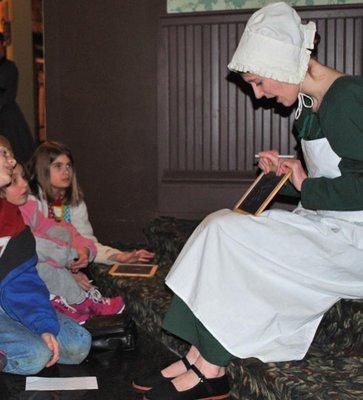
(275, 44)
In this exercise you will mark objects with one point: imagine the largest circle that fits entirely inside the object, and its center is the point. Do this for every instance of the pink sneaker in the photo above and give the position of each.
(63, 307)
(98, 305)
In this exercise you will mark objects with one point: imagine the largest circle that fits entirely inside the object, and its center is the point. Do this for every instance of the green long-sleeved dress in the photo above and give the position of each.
(258, 286)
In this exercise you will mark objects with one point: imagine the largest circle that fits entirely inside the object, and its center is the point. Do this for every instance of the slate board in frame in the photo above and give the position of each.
(133, 270)
(258, 196)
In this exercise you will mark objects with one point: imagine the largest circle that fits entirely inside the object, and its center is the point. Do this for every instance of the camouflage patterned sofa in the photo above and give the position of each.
(332, 369)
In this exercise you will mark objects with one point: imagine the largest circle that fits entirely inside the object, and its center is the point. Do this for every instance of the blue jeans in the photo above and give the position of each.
(27, 353)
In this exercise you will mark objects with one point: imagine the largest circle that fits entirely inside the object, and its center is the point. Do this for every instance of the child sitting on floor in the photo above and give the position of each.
(53, 182)
(32, 334)
(58, 246)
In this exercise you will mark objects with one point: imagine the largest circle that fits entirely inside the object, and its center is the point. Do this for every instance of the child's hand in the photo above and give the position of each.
(53, 346)
(82, 261)
(134, 256)
(83, 281)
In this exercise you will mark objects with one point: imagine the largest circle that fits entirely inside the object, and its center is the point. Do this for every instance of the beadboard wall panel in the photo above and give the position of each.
(209, 125)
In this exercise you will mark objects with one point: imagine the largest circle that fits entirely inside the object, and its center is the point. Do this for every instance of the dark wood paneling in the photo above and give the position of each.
(101, 90)
(209, 127)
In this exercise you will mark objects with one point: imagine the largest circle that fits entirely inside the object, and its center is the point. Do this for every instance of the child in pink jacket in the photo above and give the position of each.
(62, 251)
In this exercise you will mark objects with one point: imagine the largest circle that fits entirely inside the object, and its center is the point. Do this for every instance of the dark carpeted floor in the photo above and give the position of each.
(114, 374)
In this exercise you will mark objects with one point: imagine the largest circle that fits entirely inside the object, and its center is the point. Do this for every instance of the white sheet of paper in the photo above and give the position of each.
(79, 383)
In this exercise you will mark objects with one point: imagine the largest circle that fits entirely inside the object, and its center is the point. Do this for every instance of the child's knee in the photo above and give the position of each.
(30, 361)
(78, 347)
(83, 346)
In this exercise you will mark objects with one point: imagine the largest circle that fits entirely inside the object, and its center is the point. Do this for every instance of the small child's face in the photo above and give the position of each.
(18, 190)
(61, 173)
(7, 164)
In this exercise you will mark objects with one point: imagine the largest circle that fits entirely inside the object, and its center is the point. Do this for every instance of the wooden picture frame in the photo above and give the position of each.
(258, 196)
(133, 270)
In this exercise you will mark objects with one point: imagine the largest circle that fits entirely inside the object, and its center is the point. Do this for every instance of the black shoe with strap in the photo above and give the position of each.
(205, 389)
(147, 382)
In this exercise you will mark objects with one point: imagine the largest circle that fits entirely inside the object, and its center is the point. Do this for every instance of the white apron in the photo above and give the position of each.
(261, 285)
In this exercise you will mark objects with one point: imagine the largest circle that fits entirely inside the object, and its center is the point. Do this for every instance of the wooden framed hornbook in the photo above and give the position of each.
(258, 196)
(133, 270)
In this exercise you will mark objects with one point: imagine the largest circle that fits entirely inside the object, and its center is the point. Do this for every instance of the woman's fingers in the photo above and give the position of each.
(298, 173)
(265, 165)
(282, 168)
(268, 160)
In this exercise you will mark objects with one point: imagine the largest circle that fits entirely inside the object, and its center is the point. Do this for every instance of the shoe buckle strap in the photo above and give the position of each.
(186, 363)
(198, 373)
(203, 379)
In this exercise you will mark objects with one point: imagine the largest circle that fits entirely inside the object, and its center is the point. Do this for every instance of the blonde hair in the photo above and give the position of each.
(39, 167)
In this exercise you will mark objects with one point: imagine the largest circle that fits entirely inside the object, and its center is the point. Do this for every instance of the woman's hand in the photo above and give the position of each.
(83, 281)
(134, 256)
(53, 346)
(298, 173)
(82, 261)
(269, 160)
